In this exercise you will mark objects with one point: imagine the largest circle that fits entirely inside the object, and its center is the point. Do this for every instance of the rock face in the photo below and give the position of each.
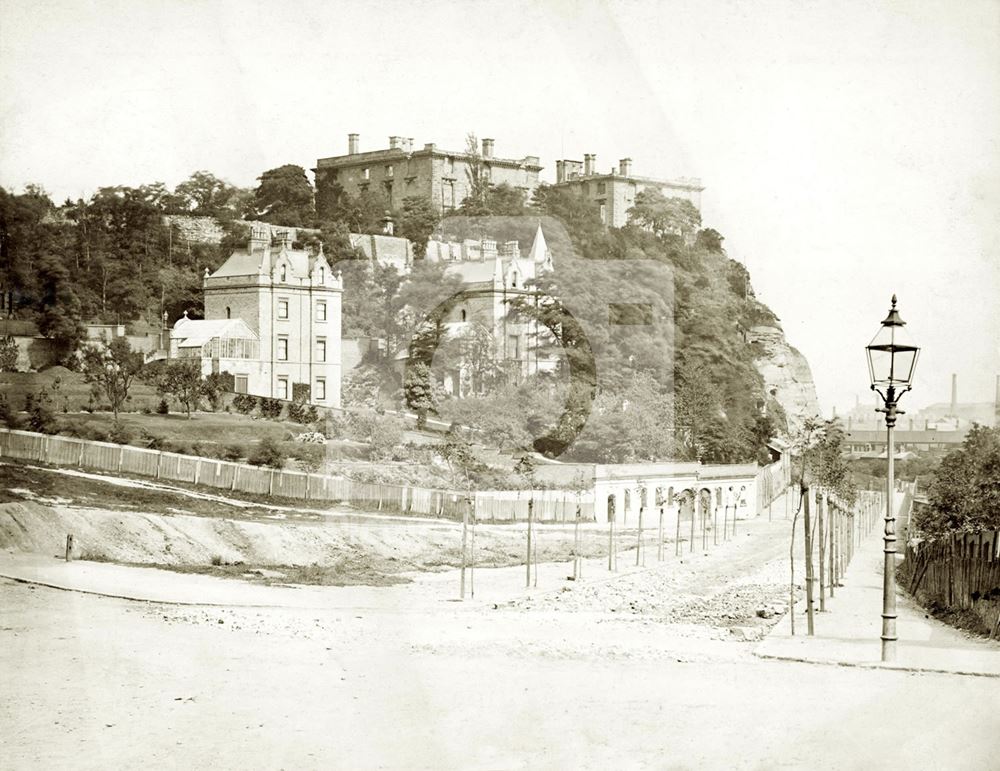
(786, 373)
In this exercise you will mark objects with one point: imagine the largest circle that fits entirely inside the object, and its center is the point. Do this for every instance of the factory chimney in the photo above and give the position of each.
(954, 395)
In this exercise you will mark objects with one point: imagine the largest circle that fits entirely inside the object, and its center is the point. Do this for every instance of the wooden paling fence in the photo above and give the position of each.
(961, 571)
(258, 480)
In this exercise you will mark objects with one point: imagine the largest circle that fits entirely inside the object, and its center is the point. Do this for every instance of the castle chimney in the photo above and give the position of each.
(353, 143)
(409, 145)
(588, 164)
(393, 143)
(560, 171)
(625, 167)
(954, 394)
(487, 148)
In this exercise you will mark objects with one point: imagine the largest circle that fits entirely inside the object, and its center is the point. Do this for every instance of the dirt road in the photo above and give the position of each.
(610, 674)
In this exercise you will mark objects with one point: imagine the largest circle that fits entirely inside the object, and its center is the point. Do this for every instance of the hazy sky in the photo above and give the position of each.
(849, 150)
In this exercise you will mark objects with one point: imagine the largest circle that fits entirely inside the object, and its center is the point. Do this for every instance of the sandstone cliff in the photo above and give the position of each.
(786, 373)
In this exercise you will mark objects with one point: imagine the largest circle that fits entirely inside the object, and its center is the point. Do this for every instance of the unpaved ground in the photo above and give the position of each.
(153, 524)
(94, 682)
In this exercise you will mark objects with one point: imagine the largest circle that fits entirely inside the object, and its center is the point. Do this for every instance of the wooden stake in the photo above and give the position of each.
(659, 538)
(527, 561)
(465, 533)
(809, 565)
(69, 547)
(821, 500)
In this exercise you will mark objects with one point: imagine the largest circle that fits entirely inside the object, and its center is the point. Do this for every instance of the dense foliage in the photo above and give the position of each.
(964, 492)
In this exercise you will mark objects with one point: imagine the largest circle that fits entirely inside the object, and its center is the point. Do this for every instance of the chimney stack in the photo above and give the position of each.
(625, 167)
(589, 159)
(393, 143)
(954, 394)
(487, 148)
(353, 141)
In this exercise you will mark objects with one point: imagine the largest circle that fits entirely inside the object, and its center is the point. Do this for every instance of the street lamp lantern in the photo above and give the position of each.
(892, 359)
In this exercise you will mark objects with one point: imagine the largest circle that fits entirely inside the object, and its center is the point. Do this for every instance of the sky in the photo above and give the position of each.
(849, 150)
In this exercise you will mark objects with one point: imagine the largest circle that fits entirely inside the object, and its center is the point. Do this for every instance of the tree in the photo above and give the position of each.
(8, 354)
(710, 239)
(417, 221)
(181, 379)
(205, 194)
(477, 179)
(112, 367)
(419, 391)
(60, 316)
(284, 197)
(964, 492)
(665, 216)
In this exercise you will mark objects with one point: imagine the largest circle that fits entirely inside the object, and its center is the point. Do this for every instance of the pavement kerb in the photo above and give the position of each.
(874, 665)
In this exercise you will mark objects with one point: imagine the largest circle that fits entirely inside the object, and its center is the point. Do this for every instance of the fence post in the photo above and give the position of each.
(577, 563)
(809, 565)
(659, 538)
(159, 460)
(638, 538)
(121, 458)
(83, 446)
(197, 471)
(821, 503)
(465, 535)
(270, 484)
(527, 561)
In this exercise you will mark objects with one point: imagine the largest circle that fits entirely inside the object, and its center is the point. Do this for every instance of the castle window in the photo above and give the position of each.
(601, 188)
(283, 348)
(388, 170)
(320, 389)
(321, 349)
(282, 387)
(321, 311)
(366, 173)
(282, 309)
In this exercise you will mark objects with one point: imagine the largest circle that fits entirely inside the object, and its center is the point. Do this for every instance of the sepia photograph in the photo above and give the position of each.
(467, 384)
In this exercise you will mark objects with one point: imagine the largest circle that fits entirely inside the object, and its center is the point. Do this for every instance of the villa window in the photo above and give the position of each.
(282, 349)
(229, 313)
(322, 275)
(321, 349)
(282, 309)
(283, 274)
(320, 389)
(241, 384)
(321, 311)
(463, 314)
(282, 387)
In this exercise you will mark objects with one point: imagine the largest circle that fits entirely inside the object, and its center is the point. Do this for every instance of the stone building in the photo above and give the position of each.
(272, 320)
(495, 277)
(614, 192)
(440, 176)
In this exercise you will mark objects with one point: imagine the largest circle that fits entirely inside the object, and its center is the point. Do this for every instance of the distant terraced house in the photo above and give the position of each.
(272, 320)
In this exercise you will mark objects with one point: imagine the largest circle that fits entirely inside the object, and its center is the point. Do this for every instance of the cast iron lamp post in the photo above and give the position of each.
(891, 361)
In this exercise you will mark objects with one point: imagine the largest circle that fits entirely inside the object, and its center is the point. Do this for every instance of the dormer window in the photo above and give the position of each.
(513, 281)
(463, 314)
(322, 274)
(283, 274)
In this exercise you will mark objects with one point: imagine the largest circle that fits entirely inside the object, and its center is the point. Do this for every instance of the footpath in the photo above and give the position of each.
(848, 632)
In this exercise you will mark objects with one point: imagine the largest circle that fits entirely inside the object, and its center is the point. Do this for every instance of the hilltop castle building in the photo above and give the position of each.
(440, 176)
(614, 192)
(272, 320)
